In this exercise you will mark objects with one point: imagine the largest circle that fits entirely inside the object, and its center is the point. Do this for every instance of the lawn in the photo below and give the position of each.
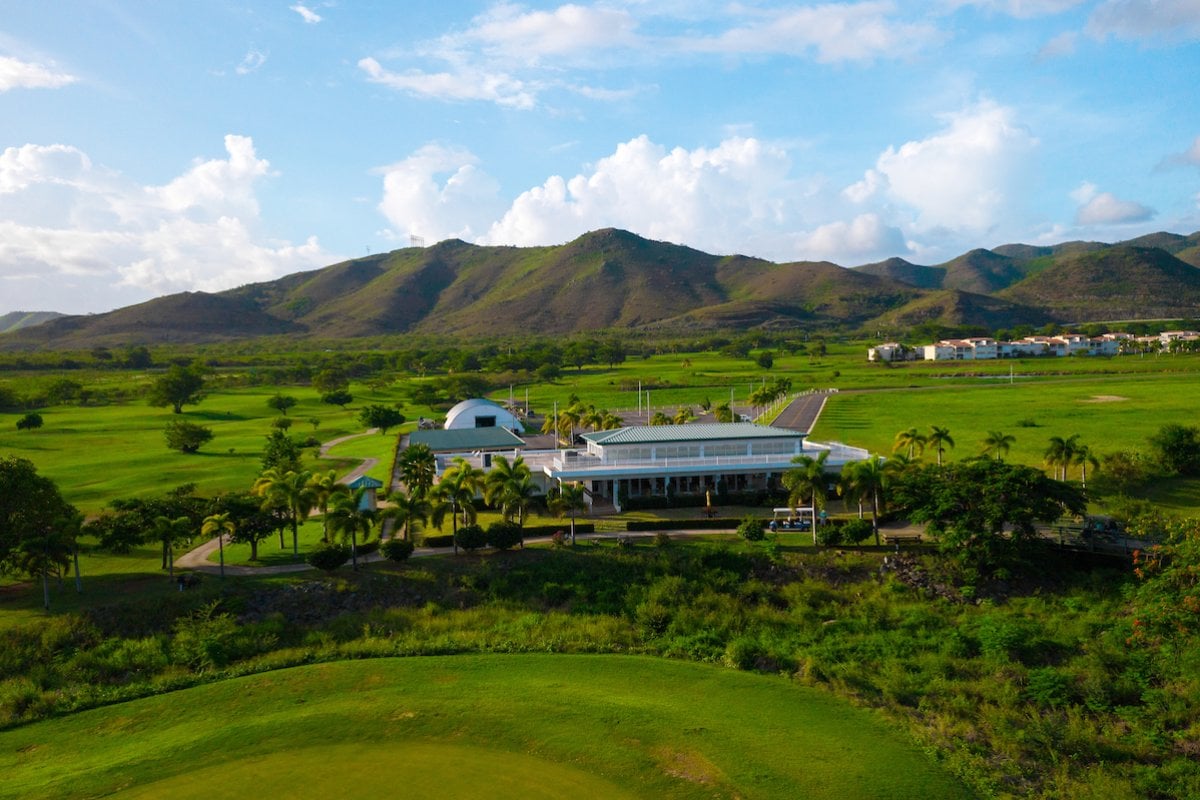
(468, 726)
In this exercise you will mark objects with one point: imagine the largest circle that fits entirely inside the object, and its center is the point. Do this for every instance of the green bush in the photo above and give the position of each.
(437, 541)
(829, 534)
(471, 537)
(504, 535)
(856, 531)
(751, 529)
(328, 557)
(397, 549)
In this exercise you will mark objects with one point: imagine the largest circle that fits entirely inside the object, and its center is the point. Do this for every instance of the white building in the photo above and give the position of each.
(481, 413)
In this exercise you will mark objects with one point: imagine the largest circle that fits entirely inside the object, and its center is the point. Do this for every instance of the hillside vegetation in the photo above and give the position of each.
(612, 279)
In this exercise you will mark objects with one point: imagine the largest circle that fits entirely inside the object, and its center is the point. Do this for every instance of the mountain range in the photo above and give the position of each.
(612, 279)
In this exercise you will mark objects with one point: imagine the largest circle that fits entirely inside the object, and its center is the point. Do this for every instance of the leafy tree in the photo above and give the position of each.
(138, 357)
(765, 359)
(219, 525)
(998, 443)
(418, 468)
(281, 452)
(568, 498)
(282, 423)
(338, 397)
(985, 511)
(287, 490)
(63, 390)
(186, 437)
(29, 422)
(1178, 448)
(251, 522)
(178, 387)
(281, 403)
(504, 535)
(331, 379)
(1166, 606)
(380, 416)
(37, 535)
(171, 531)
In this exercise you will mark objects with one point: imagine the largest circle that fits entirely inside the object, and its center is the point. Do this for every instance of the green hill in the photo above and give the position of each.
(15, 320)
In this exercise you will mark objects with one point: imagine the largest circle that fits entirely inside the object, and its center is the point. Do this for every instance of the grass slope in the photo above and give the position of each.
(571, 725)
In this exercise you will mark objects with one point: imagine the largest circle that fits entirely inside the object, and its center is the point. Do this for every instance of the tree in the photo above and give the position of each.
(281, 403)
(939, 439)
(510, 486)
(870, 480)
(1166, 603)
(338, 397)
(459, 485)
(984, 511)
(807, 480)
(998, 443)
(29, 422)
(1082, 458)
(418, 468)
(1059, 454)
(407, 513)
(37, 535)
(569, 498)
(186, 437)
(765, 359)
(910, 440)
(171, 531)
(350, 517)
(252, 523)
(220, 526)
(178, 387)
(1178, 448)
(324, 487)
(288, 490)
(331, 379)
(281, 452)
(382, 417)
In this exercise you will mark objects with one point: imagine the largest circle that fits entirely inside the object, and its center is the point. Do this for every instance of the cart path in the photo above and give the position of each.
(801, 414)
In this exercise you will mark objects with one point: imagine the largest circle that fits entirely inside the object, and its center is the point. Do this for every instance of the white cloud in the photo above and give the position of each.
(1168, 20)
(1021, 9)
(965, 177)
(1062, 45)
(440, 193)
(1104, 208)
(571, 30)
(17, 74)
(463, 84)
(834, 32)
(251, 62)
(93, 239)
(864, 238)
(307, 14)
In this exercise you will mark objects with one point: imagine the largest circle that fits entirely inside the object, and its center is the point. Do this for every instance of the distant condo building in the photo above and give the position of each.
(980, 348)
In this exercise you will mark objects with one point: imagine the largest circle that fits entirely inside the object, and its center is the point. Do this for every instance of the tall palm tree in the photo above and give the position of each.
(459, 485)
(807, 479)
(350, 516)
(848, 488)
(510, 486)
(610, 421)
(940, 440)
(568, 500)
(288, 490)
(870, 479)
(683, 415)
(570, 417)
(170, 532)
(911, 440)
(592, 418)
(999, 443)
(418, 468)
(1060, 453)
(325, 486)
(1083, 456)
(407, 511)
(660, 418)
(219, 525)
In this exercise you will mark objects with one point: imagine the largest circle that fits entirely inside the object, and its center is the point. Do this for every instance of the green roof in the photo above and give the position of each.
(704, 432)
(461, 440)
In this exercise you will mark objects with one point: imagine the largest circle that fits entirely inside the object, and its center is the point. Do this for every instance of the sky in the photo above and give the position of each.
(198, 145)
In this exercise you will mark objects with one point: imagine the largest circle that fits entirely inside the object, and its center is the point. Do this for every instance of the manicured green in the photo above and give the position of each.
(470, 726)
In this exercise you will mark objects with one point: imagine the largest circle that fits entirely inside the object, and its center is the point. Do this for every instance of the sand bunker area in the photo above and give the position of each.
(1105, 398)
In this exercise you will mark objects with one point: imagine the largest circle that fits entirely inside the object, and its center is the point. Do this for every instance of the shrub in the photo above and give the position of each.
(328, 557)
(29, 422)
(471, 537)
(186, 437)
(751, 529)
(504, 535)
(857, 531)
(444, 540)
(397, 549)
(366, 548)
(559, 539)
(829, 534)
(662, 539)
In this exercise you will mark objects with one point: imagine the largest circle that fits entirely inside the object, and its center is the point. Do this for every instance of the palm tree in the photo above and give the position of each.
(999, 443)
(418, 468)
(510, 486)
(406, 511)
(610, 421)
(351, 516)
(869, 479)
(912, 440)
(288, 490)
(219, 525)
(808, 479)
(459, 485)
(169, 531)
(324, 486)
(1060, 453)
(1083, 456)
(660, 418)
(940, 440)
(592, 418)
(848, 487)
(570, 417)
(567, 500)
(683, 415)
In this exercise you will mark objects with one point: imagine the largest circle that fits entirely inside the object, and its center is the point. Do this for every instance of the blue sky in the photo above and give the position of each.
(148, 148)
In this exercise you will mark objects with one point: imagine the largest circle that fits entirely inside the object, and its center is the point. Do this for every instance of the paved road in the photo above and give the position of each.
(801, 414)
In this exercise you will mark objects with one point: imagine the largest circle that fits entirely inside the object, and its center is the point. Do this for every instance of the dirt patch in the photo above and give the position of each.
(1105, 398)
(691, 767)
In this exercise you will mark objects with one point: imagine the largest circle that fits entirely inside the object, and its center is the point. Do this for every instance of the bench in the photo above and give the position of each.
(897, 539)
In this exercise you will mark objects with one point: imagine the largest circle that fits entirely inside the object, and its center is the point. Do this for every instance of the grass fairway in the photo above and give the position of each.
(470, 726)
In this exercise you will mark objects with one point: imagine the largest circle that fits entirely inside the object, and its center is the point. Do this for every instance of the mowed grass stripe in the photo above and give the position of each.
(652, 727)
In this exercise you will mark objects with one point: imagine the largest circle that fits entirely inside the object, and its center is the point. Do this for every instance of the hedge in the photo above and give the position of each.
(717, 524)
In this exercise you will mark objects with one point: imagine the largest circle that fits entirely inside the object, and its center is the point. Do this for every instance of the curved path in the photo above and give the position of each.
(197, 558)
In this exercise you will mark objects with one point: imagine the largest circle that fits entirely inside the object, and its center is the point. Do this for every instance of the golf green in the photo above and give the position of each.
(470, 726)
